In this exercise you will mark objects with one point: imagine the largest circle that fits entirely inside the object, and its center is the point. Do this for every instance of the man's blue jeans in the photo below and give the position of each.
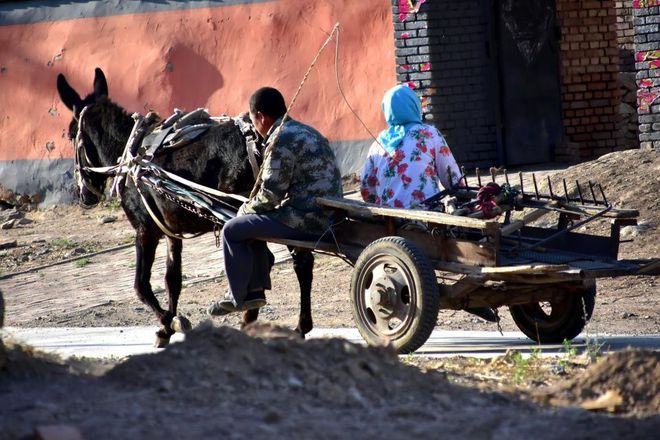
(246, 254)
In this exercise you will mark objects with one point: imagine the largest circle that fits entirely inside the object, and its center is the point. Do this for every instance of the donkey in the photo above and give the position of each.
(218, 159)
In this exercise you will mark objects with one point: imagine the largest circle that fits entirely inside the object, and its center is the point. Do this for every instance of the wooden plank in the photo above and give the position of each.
(450, 254)
(532, 216)
(526, 268)
(361, 234)
(354, 207)
(531, 273)
(613, 213)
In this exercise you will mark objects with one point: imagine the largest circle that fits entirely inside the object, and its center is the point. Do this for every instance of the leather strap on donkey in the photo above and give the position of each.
(149, 138)
(177, 131)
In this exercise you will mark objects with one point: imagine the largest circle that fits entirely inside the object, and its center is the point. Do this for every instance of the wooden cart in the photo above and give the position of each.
(408, 264)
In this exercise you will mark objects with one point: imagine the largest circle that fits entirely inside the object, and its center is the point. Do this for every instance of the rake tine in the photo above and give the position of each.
(522, 187)
(493, 173)
(552, 195)
(450, 175)
(565, 189)
(536, 188)
(476, 170)
(579, 191)
(506, 177)
(464, 176)
(593, 194)
(603, 194)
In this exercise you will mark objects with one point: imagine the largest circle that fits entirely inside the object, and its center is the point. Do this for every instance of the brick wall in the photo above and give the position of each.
(589, 78)
(625, 35)
(647, 54)
(625, 32)
(442, 54)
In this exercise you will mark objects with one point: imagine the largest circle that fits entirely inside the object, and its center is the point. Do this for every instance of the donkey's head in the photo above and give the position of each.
(93, 132)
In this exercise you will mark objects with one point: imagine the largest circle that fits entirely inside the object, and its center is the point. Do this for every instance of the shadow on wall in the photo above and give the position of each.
(184, 66)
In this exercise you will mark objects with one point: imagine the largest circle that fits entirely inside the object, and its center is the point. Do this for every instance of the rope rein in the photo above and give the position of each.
(276, 133)
(341, 92)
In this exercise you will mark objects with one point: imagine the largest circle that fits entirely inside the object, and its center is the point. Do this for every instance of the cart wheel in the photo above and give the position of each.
(556, 320)
(394, 294)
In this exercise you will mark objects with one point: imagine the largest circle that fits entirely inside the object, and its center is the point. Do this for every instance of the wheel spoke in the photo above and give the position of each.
(402, 312)
(382, 323)
(378, 276)
(397, 277)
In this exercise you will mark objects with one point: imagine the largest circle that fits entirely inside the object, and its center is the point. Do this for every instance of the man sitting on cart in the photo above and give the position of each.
(409, 161)
(301, 166)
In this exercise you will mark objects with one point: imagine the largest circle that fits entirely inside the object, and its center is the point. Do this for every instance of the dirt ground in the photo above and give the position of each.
(226, 383)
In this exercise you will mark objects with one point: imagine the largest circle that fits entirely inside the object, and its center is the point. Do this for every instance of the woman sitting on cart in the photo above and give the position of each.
(410, 159)
(409, 162)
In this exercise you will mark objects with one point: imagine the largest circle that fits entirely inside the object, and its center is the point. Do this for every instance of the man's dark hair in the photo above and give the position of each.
(268, 101)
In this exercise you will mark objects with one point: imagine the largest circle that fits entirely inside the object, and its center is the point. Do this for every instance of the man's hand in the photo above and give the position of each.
(241, 210)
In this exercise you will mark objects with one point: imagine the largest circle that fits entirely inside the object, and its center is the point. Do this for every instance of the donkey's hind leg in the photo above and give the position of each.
(303, 265)
(249, 316)
(145, 253)
(173, 285)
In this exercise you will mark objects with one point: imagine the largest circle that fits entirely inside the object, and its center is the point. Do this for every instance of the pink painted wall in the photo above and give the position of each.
(210, 58)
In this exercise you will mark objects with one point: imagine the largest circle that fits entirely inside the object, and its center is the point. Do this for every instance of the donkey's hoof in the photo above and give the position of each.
(162, 339)
(300, 333)
(181, 324)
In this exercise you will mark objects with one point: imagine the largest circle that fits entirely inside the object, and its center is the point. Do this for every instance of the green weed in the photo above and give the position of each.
(63, 243)
(82, 262)
(520, 367)
(594, 349)
(407, 359)
(569, 353)
(113, 205)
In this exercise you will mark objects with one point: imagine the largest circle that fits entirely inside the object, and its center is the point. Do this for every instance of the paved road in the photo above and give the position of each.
(65, 286)
(105, 342)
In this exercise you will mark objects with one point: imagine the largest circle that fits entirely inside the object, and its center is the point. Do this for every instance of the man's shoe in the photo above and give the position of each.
(483, 313)
(220, 307)
(226, 306)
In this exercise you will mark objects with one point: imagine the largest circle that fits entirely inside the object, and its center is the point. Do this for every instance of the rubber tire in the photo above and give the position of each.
(426, 295)
(567, 326)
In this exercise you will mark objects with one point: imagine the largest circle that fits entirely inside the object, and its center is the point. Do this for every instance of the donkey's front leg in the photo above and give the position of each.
(303, 265)
(145, 253)
(249, 316)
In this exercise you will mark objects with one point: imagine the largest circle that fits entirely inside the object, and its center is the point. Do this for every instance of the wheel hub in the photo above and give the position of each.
(382, 296)
(384, 293)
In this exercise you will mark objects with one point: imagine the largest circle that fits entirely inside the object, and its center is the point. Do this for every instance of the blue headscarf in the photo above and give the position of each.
(402, 111)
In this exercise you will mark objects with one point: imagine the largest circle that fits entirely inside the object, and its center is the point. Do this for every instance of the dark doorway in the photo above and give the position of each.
(530, 95)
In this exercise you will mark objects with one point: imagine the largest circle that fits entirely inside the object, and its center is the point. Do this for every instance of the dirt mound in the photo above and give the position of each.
(268, 361)
(632, 374)
(23, 362)
(630, 180)
(222, 383)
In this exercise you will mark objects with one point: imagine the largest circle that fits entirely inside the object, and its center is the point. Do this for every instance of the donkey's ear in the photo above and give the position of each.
(69, 97)
(100, 84)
